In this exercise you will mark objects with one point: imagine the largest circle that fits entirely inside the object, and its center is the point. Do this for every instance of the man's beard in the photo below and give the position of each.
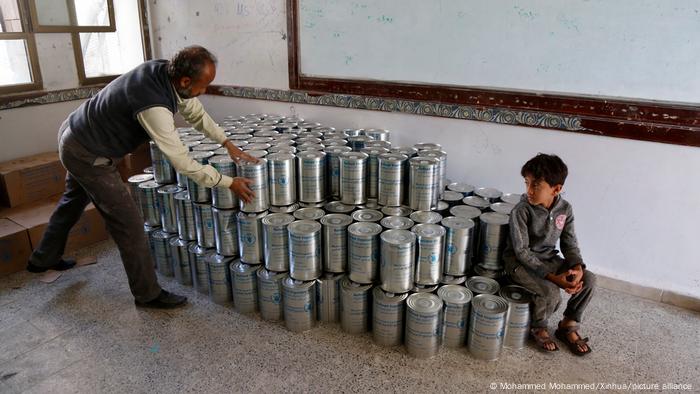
(184, 93)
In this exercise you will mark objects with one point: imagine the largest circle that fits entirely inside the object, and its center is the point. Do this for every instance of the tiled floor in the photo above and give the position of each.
(82, 333)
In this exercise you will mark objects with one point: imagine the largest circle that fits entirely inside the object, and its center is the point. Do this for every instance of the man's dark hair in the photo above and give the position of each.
(548, 167)
(190, 62)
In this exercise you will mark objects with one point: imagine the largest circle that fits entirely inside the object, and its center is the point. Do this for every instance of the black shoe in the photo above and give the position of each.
(165, 300)
(62, 265)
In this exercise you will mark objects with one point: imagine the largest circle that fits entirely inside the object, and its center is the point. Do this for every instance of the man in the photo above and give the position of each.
(132, 109)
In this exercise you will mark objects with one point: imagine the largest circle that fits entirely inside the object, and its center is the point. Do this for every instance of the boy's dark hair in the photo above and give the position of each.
(548, 167)
(190, 62)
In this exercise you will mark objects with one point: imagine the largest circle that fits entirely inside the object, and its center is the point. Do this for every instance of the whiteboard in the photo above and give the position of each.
(617, 48)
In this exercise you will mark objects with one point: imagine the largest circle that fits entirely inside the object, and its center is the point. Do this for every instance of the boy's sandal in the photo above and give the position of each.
(541, 342)
(561, 334)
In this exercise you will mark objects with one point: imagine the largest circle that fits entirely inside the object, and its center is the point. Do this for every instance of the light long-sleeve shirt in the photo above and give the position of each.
(159, 123)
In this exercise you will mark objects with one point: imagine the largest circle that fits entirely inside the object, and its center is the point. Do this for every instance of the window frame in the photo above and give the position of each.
(83, 80)
(32, 55)
(73, 27)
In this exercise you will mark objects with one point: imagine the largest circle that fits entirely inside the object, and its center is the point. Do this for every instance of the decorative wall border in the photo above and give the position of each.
(40, 98)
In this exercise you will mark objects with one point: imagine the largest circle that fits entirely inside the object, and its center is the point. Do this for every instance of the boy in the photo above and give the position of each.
(540, 219)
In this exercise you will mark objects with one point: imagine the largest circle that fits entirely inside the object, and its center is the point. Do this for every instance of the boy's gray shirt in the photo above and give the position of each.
(534, 231)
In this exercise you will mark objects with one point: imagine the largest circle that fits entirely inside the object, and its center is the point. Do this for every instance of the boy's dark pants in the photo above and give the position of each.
(547, 296)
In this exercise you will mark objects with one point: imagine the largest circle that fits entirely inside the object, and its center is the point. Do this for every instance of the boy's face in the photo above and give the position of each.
(539, 192)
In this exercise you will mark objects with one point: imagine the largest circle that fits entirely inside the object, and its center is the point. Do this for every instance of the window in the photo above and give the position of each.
(67, 16)
(101, 56)
(19, 64)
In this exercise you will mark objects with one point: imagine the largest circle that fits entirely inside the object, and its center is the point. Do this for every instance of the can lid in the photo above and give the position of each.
(266, 274)
(476, 201)
(396, 211)
(354, 156)
(347, 284)
(427, 146)
(337, 149)
(260, 140)
(441, 206)
(454, 294)
(488, 192)
(502, 207)
(203, 147)
(423, 161)
(388, 297)
(393, 157)
(370, 204)
(242, 268)
(489, 303)
(250, 215)
(257, 146)
(139, 178)
(428, 230)
(279, 156)
(149, 185)
(290, 283)
(398, 237)
(278, 219)
(452, 196)
(374, 150)
(424, 302)
(221, 152)
(169, 189)
(482, 285)
(465, 211)
(485, 272)
(309, 213)
(200, 156)
(257, 153)
(219, 259)
(452, 280)
(338, 207)
(436, 154)
(367, 215)
(494, 218)
(282, 149)
(311, 154)
(378, 144)
(304, 227)
(284, 208)
(409, 151)
(397, 222)
(180, 242)
(511, 198)
(365, 228)
(457, 223)
(160, 234)
(330, 277)
(336, 220)
(516, 294)
(426, 217)
(460, 187)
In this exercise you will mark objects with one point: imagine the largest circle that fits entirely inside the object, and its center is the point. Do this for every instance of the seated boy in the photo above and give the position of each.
(540, 219)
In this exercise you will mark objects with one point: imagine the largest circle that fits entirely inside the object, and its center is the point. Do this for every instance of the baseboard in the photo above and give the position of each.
(650, 293)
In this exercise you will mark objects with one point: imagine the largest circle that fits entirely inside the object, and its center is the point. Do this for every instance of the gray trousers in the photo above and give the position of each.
(91, 178)
(547, 296)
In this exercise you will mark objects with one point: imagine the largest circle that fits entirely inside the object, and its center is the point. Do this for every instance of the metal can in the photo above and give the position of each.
(206, 146)
(518, 316)
(199, 193)
(511, 198)
(163, 171)
(284, 209)
(353, 178)
(453, 280)
(388, 310)
(226, 231)
(464, 189)
(397, 223)
(466, 212)
(424, 183)
(223, 197)
(426, 217)
(311, 176)
(257, 173)
(184, 213)
(355, 305)
(430, 247)
(309, 213)
(305, 250)
(378, 134)
(328, 297)
(149, 203)
(378, 144)
(397, 211)
(166, 205)
(370, 204)
(423, 324)
(367, 215)
(502, 207)
(441, 170)
(250, 237)
(424, 289)
(335, 241)
(458, 245)
(161, 246)
(276, 241)
(338, 207)
(333, 168)
(486, 326)
(363, 252)
(493, 229)
(204, 225)
(456, 300)
(391, 181)
(442, 208)
(488, 193)
(423, 146)
(199, 257)
(357, 143)
(476, 202)
(270, 294)
(452, 198)
(299, 300)
(134, 182)
(319, 204)
(372, 181)
(219, 278)
(282, 178)
(244, 286)
(482, 285)
(398, 252)
(352, 132)
(496, 275)
(179, 255)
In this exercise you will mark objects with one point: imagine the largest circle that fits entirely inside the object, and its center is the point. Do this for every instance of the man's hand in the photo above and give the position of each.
(240, 187)
(238, 155)
(560, 280)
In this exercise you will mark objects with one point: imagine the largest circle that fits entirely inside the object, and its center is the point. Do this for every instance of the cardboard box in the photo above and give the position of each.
(30, 179)
(14, 247)
(35, 217)
(135, 162)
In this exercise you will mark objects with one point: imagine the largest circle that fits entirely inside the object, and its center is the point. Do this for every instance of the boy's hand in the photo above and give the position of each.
(575, 274)
(560, 280)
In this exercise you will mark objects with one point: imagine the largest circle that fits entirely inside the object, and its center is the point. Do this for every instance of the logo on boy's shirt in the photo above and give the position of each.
(560, 221)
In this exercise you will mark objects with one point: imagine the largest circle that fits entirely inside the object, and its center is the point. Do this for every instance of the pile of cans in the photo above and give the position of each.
(344, 228)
